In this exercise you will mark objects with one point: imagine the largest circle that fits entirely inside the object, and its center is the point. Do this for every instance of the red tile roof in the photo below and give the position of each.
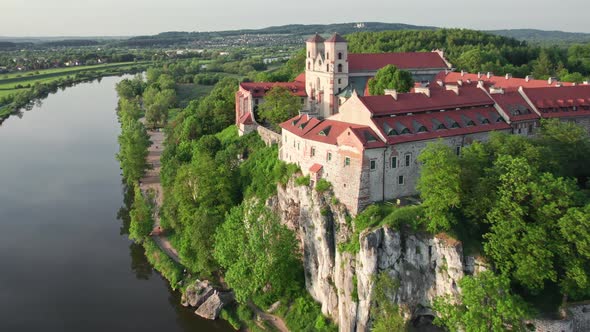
(315, 39)
(246, 119)
(514, 105)
(560, 102)
(497, 81)
(259, 89)
(424, 126)
(407, 60)
(300, 124)
(315, 168)
(336, 38)
(416, 102)
(327, 131)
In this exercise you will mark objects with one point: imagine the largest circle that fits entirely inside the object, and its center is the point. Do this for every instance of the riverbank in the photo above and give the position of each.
(21, 92)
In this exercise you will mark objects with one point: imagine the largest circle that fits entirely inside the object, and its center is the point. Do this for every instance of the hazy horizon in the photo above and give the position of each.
(67, 18)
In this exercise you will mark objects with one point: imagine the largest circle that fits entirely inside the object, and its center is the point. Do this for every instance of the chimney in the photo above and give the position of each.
(468, 81)
(462, 73)
(391, 92)
(460, 82)
(479, 75)
(585, 82)
(496, 91)
(508, 76)
(528, 78)
(440, 82)
(551, 80)
(480, 84)
(454, 88)
(558, 84)
(489, 74)
(423, 89)
(574, 84)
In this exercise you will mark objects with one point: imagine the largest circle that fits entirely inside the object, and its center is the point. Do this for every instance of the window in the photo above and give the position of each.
(327, 67)
(309, 66)
(308, 54)
(530, 129)
(373, 164)
(340, 56)
(441, 127)
(393, 162)
(400, 180)
(297, 145)
(256, 101)
(327, 55)
(422, 129)
(347, 161)
(405, 131)
(339, 81)
(285, 139)
(329, 156)
(339, 90)
(458, 150)
(313, 152)
(454, 125)
(470, 123)
(408, 159)
(339, 67)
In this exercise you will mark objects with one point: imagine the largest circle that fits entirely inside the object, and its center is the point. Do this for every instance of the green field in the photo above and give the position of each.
(188, 92)
(9, 81)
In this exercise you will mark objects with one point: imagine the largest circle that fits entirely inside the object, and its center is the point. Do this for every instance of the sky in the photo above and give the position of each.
(27, 18)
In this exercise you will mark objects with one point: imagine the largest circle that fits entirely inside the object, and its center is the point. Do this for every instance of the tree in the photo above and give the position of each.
(439, 185)
(389, 77)
(523, 241)
(574, 227)
(543, 68)
(133, 144)
(385, 311)
(258, 253)
(279, 105)
(485, 304)
(141, 217)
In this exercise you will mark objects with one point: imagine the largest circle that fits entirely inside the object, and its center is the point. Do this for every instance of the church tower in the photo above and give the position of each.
(326, 73)
(336, 52)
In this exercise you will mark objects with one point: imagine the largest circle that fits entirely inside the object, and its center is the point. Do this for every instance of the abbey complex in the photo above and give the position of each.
(367, 146)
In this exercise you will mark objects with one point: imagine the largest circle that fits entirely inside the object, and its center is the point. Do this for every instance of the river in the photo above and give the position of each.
(65, 261)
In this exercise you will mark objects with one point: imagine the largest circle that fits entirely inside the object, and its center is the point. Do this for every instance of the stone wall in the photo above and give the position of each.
(268, 136)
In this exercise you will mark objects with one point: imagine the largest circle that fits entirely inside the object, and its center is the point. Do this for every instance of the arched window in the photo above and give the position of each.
(340, 56)
(308, 54)
(405, 131)
(309, 66)
(440, 127)
(422, 129)
(455, 125)
(339, 67)
(470, 123)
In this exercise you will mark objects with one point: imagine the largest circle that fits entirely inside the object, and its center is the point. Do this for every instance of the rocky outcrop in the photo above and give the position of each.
(208, 300)
(211, 308)
(425, 266)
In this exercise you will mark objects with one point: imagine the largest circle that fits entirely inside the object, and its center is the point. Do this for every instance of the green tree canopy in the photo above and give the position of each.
(485, 304)
(279, 105)
(439, 185)
(258, 253)
(390, 77)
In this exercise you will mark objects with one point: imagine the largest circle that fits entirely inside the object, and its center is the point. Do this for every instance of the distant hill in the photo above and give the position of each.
(275, 35)
(544, 37)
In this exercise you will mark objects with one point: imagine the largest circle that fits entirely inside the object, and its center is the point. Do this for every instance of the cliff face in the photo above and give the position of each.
(425, 266)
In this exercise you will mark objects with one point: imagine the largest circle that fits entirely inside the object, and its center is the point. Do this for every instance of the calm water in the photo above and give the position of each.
(65, 261)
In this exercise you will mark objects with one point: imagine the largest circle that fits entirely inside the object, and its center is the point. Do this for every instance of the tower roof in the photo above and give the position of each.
(315, 39)
(336, 38)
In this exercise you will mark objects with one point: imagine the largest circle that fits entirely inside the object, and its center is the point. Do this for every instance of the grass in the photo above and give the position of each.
(20, 76)
(171, 270)
(187, 92)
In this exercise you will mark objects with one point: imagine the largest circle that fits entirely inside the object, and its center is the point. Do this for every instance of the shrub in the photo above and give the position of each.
(302, 181)
(323, 185)
(306, 315)
(169, 269)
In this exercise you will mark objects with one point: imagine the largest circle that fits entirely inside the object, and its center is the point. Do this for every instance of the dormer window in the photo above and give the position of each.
(470, 123)
(441, 127)
(485, 121)
(406, 131)
(455, 125)
(369, 137)
(325, 131)
(422, 129)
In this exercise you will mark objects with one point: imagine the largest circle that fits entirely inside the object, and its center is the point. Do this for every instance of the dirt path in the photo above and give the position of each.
(151, 182)
(276, 321)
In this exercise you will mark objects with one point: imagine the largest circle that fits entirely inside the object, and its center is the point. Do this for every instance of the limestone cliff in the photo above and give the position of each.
(426, 266)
